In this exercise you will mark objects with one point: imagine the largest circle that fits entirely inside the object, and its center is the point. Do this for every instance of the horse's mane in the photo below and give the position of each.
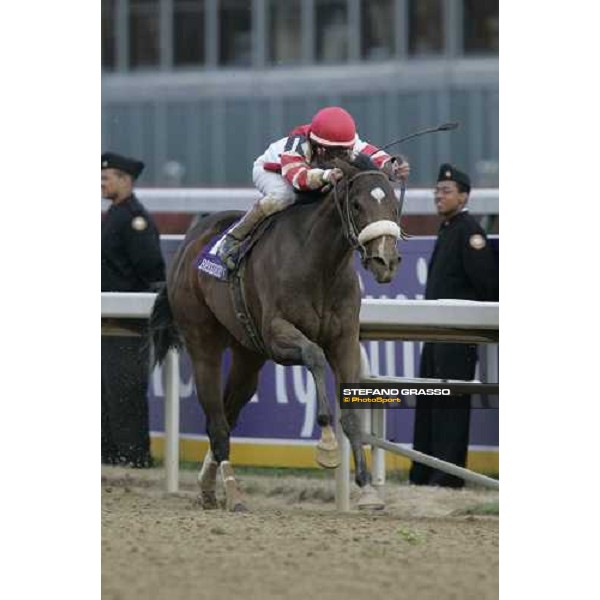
(363, 163)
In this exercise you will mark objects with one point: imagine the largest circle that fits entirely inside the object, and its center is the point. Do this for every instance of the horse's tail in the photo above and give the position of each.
(162, 330)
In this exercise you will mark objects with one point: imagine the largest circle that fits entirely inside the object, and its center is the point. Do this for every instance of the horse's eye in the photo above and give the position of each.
(356, 205)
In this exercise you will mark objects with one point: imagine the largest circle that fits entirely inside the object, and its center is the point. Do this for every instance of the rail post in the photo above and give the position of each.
(172, 421)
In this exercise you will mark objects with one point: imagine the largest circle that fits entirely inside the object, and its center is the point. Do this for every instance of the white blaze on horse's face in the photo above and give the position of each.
(378, 194)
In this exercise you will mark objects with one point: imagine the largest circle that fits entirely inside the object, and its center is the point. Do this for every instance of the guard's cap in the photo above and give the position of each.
(450, 173)
(131, 166)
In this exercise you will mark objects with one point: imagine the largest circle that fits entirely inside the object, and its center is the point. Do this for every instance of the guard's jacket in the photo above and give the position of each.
(463, 264)
(131, 256)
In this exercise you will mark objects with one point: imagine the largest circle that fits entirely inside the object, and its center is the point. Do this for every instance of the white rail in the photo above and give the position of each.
(431, 461)
(383, 317)
(483, 201)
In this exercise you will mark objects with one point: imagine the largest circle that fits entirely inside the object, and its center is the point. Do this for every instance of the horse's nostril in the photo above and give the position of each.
(380, 260)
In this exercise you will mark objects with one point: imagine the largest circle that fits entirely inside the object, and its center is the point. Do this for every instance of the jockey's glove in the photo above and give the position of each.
(332, 175)
(396, 168)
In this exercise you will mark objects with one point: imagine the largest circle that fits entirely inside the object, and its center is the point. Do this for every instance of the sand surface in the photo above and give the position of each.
(293, 544)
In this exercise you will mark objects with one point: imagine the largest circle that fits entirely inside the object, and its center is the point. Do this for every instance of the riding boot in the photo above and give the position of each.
(230, 248)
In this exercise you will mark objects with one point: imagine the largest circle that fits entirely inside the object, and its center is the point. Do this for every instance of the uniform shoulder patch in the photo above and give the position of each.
(477, 241)
(139, 223)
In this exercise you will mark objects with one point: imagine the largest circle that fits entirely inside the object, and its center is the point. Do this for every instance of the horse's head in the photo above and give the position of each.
(369, 212)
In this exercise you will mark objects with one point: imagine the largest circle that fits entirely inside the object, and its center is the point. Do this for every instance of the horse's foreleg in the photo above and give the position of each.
(344, 358)
(369, 497)
(288, 345)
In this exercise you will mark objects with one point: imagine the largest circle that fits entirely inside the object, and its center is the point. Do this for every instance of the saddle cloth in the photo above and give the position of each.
(209, 262)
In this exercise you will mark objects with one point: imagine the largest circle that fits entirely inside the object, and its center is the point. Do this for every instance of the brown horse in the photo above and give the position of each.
(302, 296)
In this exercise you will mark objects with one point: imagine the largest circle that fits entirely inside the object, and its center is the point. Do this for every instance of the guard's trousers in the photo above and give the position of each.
(125, 372)
(442, 423)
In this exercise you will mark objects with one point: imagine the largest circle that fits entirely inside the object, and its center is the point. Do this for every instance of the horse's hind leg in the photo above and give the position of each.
(241, 384)
(207, 480)
(221, 417)
(289, 345)
(207, 375)
(242, 381)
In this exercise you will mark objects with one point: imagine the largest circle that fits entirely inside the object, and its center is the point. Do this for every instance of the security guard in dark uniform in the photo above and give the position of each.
(463, 266)
(131, 262)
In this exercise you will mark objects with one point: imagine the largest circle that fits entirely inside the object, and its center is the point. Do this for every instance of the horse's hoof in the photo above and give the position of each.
(208, 500)
(235, 504)
(369, 499)
(328, 458)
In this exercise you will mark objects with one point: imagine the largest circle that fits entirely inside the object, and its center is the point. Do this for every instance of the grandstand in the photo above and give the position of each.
(198, 88)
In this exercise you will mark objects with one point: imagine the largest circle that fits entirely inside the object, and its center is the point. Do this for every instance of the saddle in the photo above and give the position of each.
(209, 262)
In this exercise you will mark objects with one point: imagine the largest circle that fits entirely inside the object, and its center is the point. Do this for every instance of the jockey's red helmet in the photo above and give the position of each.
(333, 126)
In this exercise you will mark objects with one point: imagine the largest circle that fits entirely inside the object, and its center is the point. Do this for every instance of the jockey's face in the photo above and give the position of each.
(325, 154)
(115, 185)
(449, 200)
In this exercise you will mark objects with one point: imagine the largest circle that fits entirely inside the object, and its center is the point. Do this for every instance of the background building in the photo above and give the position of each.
(198, 88)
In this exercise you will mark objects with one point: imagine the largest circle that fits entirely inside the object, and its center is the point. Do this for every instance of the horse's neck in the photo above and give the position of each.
(327, 245)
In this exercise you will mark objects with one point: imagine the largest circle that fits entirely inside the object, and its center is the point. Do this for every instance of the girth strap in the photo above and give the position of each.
(240, 306)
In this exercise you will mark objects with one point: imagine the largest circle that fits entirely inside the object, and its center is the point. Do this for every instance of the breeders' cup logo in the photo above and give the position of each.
(211, 268)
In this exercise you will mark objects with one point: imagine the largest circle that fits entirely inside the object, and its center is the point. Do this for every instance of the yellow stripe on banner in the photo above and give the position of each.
(302, 456)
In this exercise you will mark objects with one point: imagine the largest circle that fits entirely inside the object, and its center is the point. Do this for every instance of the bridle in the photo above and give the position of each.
(357, 238)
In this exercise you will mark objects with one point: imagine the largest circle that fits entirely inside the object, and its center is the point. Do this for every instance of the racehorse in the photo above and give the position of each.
(303, 299)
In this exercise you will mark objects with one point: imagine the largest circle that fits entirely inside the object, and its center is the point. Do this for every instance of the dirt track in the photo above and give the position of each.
(293, 545)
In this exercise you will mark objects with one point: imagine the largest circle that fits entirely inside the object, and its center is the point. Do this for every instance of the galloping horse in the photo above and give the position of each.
(303, 298)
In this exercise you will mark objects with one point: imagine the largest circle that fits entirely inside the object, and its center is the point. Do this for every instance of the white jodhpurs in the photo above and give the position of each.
(277, 193)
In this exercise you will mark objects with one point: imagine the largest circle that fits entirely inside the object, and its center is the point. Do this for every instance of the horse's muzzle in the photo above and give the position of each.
(382, 258)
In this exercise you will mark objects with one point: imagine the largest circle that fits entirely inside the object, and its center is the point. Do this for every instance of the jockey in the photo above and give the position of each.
(292, 164)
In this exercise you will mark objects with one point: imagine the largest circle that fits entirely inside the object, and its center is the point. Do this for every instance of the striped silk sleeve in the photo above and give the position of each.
(379, 157)
(296, 168)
